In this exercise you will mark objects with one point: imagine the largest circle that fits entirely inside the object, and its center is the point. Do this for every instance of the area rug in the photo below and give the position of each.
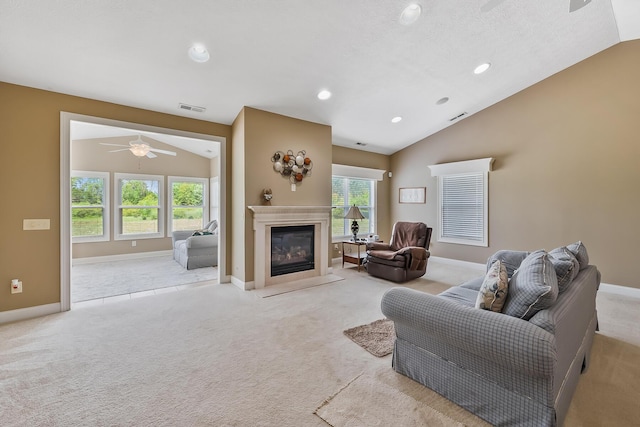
(376, 337)
(383, 398)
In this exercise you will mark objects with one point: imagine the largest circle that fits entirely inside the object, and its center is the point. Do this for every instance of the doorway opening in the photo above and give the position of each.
(120, 208)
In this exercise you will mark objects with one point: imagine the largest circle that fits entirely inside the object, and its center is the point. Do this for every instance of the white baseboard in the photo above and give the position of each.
(119, 257)
(619, 290)
(457, 262)
(245, 286)
(29, 312)
(604, 287)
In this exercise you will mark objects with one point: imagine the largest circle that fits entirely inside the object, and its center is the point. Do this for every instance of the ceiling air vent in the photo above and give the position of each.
(459, 116)
(192, 108)
(362, 144)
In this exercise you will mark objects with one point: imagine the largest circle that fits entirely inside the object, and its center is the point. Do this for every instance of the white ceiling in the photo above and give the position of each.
(276, 56)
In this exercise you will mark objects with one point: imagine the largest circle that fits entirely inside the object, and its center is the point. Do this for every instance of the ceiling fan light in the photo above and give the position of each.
(139, 150)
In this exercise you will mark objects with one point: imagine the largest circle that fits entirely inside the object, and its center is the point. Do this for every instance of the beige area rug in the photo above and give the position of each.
(383, 398)
(376, 337)
(269, 291)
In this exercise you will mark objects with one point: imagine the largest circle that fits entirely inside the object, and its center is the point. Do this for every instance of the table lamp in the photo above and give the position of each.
(354, 214)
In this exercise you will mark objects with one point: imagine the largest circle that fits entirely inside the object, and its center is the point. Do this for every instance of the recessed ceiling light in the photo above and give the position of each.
(396, 119)
(324, 94)
(410, 14)
(482, 68)
(198, 53)
(442, 100)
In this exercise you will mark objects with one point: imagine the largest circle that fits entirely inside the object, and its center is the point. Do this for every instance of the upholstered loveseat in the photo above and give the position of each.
(196, 248)
(513, 364)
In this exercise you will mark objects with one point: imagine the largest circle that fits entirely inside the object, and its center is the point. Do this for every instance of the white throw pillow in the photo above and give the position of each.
(493, 291)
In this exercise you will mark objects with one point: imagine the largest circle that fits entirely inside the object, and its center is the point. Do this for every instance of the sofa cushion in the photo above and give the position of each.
(566, 265)
(533, 287)
(580, 252)
(460, 295)
(493, 292)
(510, 259)
(212, 227)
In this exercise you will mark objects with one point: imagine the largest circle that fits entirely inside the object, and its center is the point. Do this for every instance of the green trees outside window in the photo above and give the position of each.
(88, 194)
(346, 192)
(187, 205)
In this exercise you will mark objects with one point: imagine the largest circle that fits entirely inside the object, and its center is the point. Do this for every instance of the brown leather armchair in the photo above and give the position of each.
(404, 257)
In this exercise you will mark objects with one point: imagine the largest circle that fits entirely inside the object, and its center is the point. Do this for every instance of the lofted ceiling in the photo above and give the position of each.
(277, 55)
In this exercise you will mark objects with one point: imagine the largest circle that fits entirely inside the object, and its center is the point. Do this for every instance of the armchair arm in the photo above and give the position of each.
(378, 246)
(497, 337)
(205, 241)
(180, 235)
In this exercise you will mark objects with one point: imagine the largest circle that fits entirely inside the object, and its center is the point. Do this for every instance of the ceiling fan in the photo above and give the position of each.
(139, 148)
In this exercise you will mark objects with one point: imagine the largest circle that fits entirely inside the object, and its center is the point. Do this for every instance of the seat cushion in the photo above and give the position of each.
(460, 295)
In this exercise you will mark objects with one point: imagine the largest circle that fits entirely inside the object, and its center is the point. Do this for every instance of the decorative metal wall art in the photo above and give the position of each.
(292, 166)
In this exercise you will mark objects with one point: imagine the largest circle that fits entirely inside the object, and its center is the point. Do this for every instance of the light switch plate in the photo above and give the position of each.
(36, 224)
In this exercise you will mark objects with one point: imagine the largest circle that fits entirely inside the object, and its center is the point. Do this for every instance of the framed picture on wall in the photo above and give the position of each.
(413, 195)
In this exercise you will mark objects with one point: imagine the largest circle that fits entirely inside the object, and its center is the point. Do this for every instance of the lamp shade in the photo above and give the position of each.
(354, 213)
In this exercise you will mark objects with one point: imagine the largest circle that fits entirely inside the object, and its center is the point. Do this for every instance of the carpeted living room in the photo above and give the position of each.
(216, 355)
(319, 213)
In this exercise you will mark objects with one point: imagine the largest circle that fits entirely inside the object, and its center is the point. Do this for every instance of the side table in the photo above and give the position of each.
(352, 257)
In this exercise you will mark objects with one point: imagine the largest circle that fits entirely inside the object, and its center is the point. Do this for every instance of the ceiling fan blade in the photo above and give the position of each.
(113, 145)
(151, 155)
(115, 151)
(171, 153)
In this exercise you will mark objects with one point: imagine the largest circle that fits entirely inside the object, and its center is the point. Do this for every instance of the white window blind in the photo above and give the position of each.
(463, 207)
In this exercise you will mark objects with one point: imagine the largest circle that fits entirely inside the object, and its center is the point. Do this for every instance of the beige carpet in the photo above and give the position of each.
(283, 288)
(214, 355)
(376, 337)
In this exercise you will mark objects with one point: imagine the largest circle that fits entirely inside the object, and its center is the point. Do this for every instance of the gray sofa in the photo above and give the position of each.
(199, 250)
(506, 369)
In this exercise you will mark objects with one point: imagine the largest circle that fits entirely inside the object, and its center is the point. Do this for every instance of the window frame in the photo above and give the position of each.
(106, 197)
(460, 170)
(118, 206)
(205, 199)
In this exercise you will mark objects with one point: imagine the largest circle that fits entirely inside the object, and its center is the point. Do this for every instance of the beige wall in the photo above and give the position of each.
(567, 156)
(30, 177)
(363, 159)
(89, 155)
(265, 133)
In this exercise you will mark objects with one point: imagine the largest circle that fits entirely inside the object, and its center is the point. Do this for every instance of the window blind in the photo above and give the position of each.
(463, 207)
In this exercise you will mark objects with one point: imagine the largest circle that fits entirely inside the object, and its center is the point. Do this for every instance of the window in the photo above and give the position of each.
(89, 206)
(463, 197)
(188, 200)
(138, 211)
(353, 186)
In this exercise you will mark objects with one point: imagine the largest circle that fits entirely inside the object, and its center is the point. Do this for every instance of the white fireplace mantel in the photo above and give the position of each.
(265, 217)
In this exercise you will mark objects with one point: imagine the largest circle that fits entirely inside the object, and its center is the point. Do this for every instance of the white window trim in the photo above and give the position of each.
(205, 198)
(117, 221)
(346, 171)
(465, 168)
(106, 196)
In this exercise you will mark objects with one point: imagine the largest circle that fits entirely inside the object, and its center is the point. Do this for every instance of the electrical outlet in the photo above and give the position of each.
(133, 243)
(16, 286)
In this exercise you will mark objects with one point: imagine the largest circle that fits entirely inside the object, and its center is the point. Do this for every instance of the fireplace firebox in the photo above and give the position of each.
(292, 249)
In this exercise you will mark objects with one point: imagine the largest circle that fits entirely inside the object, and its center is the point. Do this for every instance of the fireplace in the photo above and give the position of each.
(292, 249)
(316, 219)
